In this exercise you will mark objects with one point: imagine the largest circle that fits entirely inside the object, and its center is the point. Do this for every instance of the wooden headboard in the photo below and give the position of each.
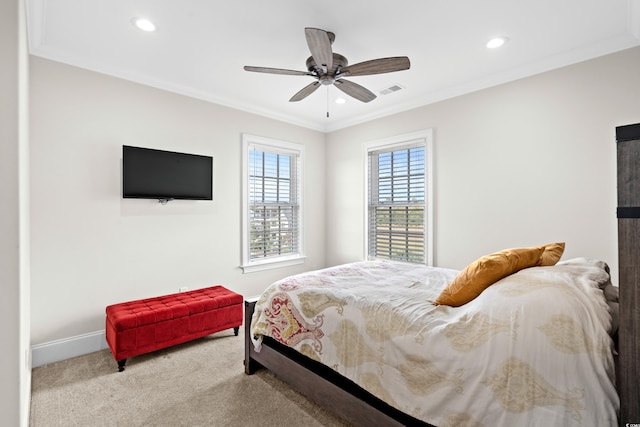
(628, 158)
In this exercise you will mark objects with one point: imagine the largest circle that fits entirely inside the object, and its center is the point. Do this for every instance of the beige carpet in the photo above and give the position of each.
(201, 383)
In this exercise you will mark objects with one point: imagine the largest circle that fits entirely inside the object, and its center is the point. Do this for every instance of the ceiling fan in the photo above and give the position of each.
(330, 68)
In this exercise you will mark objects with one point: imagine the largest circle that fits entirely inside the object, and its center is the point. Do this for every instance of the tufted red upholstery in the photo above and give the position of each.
(145, 325)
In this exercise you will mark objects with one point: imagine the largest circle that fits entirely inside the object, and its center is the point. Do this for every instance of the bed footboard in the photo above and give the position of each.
(320, 383)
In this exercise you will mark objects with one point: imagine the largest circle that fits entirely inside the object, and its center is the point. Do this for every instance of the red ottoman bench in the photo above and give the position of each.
(142, 326)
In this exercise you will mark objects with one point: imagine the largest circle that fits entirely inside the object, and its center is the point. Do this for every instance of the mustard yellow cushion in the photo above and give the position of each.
(485, 271)
(552, 254)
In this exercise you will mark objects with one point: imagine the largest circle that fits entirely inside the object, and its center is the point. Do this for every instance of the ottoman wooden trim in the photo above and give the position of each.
(142, 326)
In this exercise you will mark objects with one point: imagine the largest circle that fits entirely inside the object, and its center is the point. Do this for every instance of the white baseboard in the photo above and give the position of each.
(66, 348)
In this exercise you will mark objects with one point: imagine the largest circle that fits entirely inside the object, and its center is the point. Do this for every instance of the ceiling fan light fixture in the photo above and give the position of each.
(496, 42)
(340, 100)
(144, 24)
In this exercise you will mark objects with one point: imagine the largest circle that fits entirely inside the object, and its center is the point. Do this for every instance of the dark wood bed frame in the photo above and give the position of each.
(628, 160)
(345, 399)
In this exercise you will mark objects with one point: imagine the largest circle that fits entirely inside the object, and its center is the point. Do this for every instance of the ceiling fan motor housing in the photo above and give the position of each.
(339, 62)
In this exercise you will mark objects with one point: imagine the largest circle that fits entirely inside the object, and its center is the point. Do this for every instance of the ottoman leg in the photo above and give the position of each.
(235, 330)
(121, 364)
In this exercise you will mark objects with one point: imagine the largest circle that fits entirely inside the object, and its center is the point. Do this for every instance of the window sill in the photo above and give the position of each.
(270, 264)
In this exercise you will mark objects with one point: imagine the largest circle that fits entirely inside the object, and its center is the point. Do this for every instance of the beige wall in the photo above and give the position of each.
(91, 248)
(525, 163)
(15, 373)
(520, 164)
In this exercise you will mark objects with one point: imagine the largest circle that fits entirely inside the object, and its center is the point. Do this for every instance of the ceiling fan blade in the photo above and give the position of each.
(276, 71)
(377, 66)
(355, 90)
(305, 91)
(320, 47)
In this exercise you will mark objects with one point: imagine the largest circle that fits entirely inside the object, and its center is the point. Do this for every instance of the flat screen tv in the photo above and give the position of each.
(165, 175)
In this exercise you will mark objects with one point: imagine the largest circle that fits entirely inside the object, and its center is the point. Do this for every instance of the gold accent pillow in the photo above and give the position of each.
(552, 254)
(484, 272)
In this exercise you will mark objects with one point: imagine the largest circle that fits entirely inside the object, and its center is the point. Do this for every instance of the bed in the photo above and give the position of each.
(366, 340)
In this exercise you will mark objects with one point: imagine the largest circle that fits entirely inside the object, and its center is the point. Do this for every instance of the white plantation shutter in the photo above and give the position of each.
(397, 202)
(272, 202)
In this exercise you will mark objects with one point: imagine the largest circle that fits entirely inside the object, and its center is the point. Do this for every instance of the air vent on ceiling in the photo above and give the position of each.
(393, 88)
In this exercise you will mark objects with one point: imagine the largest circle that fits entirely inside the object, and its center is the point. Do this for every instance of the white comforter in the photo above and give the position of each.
(532, 350)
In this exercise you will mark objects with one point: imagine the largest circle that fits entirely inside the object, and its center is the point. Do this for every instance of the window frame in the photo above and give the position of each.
(424, 138)
(279, 147)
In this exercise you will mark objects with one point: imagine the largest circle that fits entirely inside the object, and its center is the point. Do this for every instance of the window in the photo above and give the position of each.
(399, 201)
(272, 203)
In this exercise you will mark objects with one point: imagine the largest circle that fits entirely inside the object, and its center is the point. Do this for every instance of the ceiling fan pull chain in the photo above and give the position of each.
(327, 102)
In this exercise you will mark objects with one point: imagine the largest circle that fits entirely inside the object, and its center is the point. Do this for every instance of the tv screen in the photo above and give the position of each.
(165, 175)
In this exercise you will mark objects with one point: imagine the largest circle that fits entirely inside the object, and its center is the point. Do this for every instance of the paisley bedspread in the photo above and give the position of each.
(532, 349)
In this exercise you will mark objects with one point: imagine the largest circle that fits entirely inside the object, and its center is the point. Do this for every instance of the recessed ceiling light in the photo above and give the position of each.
(496, 42)
(340, 100)
(144, 24)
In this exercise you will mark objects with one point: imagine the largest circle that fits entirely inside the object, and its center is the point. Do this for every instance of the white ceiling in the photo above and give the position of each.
(201, 46)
